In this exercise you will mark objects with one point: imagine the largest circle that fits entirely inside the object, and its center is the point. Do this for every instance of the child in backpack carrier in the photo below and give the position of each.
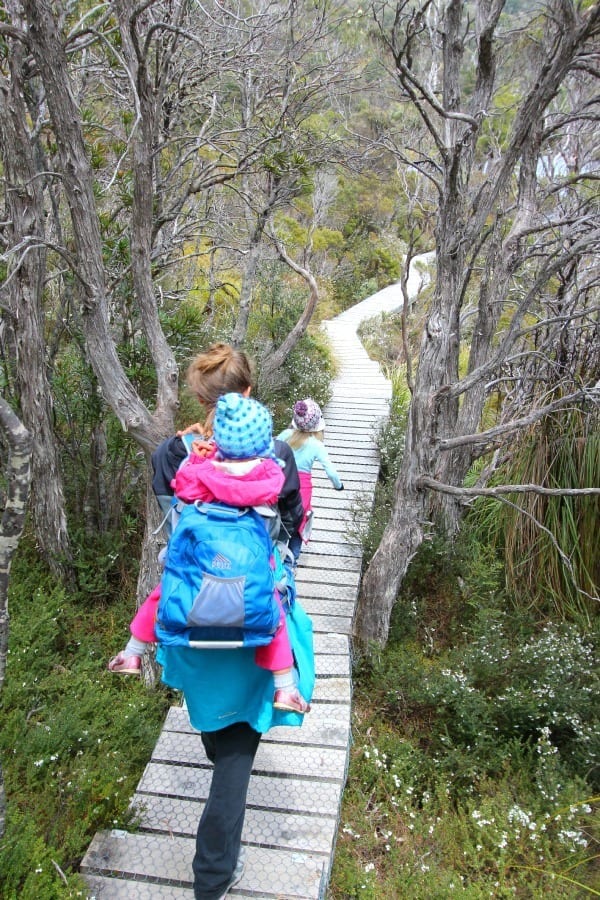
(305, 437)
(242, 472)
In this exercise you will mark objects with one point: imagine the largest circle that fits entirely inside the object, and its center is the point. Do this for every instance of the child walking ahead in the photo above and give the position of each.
(242, 472)
(305, 437)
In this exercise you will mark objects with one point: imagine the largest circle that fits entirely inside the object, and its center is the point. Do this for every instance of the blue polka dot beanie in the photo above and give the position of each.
(242, 428)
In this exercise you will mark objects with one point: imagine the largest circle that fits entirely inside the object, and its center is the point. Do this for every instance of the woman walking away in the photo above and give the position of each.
(305, 437)
(228, 696)
(241, 470)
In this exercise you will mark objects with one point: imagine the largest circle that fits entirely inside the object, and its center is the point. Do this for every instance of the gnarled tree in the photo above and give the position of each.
(517, 222)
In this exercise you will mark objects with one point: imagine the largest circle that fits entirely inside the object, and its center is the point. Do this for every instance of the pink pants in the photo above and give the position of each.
(278, 654)
(306, 489)
(274, 656)
(142, 624)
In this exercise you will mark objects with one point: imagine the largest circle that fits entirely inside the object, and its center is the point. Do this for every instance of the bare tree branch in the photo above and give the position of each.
(424, 481)
(492, 434)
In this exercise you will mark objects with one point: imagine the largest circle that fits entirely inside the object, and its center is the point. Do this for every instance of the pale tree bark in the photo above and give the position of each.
(150, 96)
(78, 182)
(23, 293)
(88, 263)
(17, 475)
(475, 205)
(249, 269)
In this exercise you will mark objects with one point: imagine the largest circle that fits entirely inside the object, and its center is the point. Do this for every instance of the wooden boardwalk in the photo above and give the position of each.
(296, 788)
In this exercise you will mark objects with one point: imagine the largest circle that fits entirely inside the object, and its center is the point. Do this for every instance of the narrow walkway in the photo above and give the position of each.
(296, 788)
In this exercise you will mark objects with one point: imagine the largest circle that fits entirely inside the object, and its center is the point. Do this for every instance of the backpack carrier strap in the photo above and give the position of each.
(172, 508)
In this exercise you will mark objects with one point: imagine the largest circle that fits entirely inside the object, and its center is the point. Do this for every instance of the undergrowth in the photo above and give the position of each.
(475, 768)
(73, 738)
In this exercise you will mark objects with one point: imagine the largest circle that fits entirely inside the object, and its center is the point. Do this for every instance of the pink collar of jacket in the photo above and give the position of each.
(204, 479)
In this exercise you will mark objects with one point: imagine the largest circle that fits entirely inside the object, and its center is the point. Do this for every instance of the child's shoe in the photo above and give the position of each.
(125, 665)
(292, 701)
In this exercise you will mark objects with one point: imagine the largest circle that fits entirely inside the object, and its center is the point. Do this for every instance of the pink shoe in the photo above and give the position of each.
(292, 701)
(125, 665)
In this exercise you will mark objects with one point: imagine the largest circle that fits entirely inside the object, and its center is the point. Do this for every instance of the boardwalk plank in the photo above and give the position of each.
(294, 795)
(271, 758)
(325, 607)
(329, 577)
(339, 624)
(309, 587)
(266, 828)
(328, 726)
(167, 858)
(120, 889)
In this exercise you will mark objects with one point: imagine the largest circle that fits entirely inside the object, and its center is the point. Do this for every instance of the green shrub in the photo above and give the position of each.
(499, 689)
(490, 680)
(401, 838)
(73, 738)
(474, 768)
(307, 372)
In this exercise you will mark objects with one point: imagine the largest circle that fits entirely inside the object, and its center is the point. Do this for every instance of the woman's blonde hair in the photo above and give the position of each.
(219, 370)
(298, 438)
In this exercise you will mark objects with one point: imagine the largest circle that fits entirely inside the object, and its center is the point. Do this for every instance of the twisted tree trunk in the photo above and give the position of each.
(17, 475)
(24, 289)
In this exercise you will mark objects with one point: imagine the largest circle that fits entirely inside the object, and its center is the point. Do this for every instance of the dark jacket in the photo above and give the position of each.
(169, 455)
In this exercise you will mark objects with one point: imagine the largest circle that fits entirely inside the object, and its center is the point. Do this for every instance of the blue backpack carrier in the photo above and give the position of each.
(218, 585)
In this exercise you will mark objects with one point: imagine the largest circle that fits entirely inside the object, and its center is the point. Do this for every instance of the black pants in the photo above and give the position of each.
(232, 751)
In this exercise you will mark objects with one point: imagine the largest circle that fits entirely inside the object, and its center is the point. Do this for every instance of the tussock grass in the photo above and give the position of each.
(550, 544)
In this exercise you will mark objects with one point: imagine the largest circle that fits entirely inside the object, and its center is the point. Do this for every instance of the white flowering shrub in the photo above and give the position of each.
(494, 693)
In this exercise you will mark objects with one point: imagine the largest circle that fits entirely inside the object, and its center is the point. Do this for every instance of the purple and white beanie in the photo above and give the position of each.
(307, 416)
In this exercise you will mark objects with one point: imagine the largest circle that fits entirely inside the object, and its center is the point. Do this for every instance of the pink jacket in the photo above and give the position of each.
(208, 479)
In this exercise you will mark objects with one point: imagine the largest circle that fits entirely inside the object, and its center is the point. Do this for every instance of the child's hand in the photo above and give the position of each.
(203, 448)
(195, 442)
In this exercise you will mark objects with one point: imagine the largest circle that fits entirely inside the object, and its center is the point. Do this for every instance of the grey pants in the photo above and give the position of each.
(218, 840)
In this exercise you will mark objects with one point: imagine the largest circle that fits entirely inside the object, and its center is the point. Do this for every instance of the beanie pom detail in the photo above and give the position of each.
(307, 416)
